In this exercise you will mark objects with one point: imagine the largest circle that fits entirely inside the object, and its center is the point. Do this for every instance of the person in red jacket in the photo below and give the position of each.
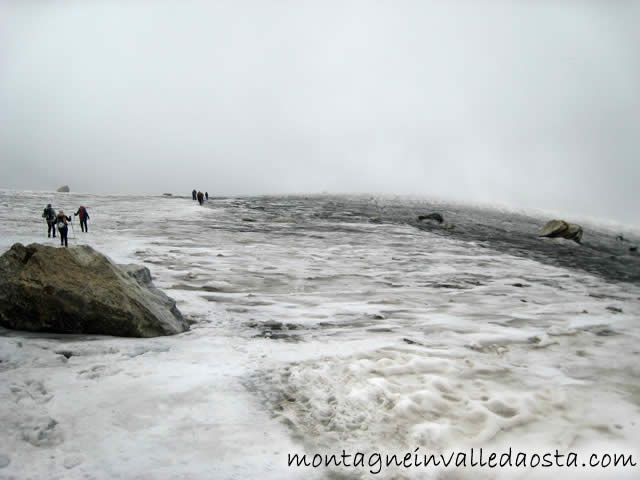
(84, 216)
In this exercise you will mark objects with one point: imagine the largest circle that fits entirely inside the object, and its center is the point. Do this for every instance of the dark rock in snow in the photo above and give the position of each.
(432, 216)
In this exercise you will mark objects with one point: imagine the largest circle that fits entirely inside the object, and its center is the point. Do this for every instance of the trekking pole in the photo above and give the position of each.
(72, 231)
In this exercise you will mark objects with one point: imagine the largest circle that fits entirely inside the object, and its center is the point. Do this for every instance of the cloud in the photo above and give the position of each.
(535, 104)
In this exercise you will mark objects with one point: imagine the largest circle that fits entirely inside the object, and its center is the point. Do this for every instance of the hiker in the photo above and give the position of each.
(206, 195)
(200, 197)
(84, 216)
(63, 227)
(193, 194)
(50, 215)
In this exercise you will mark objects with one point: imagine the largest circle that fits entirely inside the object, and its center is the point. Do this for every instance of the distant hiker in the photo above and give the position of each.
(193, 194)
(84, 216)
(206, 195)
(50, 215)
(200, 197)
(62, 222)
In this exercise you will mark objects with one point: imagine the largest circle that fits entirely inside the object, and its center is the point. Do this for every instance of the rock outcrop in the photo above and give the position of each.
(432, 216)
(79, 290)
(435, 219)
(562, 229)
(64, 188)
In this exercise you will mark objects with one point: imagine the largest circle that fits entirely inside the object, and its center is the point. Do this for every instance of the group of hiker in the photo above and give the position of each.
(61, 222)
(200, 196)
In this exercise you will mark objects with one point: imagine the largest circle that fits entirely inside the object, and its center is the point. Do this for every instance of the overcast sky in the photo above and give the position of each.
(531, 103)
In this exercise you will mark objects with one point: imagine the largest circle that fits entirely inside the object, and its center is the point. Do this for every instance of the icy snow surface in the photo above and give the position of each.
(319, 330)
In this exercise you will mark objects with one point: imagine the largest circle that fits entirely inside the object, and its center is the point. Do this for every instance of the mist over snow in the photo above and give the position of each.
(532, 104)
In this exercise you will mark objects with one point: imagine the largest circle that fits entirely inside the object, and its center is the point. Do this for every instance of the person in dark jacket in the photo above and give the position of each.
(63, 227)
(206, 195)
(84, 216)
(50, 215)
(193, 194)
(200, 197)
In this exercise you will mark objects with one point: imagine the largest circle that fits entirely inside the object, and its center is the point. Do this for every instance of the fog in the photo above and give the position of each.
(528, 103)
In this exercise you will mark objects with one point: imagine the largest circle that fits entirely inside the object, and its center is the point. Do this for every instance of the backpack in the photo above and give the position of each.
(49, 214)
(61, 223)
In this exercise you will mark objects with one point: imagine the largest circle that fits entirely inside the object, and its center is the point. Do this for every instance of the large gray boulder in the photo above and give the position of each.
(562, 229)
(79, 290)
(64, 188)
